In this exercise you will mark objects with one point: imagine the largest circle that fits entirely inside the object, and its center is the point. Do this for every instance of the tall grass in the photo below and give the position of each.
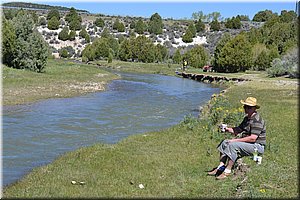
(172, 162)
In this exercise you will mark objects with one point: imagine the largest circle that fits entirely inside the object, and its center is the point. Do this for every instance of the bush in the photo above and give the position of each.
(64, 34)
(53, 23)
(288, 65)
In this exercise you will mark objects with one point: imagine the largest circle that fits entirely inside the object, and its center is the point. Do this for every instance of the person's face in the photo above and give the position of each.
(249, 109)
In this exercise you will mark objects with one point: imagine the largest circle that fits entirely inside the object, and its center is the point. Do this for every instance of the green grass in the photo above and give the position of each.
(61, 78)
(172, 162)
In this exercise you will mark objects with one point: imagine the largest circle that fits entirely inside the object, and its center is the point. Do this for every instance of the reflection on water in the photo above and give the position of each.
(34, 135)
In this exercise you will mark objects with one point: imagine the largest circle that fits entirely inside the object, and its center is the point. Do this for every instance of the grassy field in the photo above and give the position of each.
(172, 162)
(62, 78)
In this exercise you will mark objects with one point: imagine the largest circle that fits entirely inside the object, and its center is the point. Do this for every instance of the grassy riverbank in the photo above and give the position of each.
(172, 162)
(61, 79)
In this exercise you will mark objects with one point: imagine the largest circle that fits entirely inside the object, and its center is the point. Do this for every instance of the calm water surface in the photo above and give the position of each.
(36, 134)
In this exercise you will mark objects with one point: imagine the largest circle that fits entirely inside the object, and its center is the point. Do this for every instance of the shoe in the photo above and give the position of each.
(212, 172)
(223, 176)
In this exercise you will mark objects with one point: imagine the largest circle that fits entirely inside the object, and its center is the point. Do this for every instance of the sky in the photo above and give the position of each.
(175, 9)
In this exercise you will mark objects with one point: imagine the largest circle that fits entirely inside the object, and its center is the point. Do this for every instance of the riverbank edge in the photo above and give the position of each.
(143, 135)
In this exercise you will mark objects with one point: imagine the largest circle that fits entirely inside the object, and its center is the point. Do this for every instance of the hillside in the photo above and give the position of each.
(172, 36)
(35, 6)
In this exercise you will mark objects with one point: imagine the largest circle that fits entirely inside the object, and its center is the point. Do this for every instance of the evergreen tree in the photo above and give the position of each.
(200, 26)
(192, 29)
(64, 34)
(187, 37)
(155, 24)
(8, 42)
(177, 57)
(197, 56)
(215, 25)
(31, 51)
(140, 27)
(53, 13)
(99, 22)
(236, 55)
(53, 23)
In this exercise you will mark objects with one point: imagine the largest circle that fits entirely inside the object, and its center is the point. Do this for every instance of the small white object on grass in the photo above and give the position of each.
(141, 186)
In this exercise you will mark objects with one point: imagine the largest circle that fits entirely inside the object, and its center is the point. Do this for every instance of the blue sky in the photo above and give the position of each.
(173, 9)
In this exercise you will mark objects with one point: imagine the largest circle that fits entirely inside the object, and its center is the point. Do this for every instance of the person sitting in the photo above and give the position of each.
(253, 130)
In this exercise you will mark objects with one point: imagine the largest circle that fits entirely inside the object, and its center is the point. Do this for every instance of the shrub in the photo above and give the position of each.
(288, 65)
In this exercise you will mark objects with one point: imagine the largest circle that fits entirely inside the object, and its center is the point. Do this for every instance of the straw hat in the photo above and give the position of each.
(250, 101)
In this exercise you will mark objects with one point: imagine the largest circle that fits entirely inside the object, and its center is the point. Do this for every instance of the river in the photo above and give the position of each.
(36, 134)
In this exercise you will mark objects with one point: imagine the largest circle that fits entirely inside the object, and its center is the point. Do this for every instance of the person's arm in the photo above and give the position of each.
(234, 130)
(251, 139)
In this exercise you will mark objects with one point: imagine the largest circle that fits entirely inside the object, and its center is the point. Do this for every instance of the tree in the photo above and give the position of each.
(197, 56)
(233, 23)
(99, 22)
(155, 24)
(64, 34)
(8, 42)
(287, 16)
(125, 50)
(72, 35)
(53, 23)
(53, 13)
(140, 26)
(88, 53)
(31, 51)
(215, 25)
(200, 26)
(187, 37)
(218, 50)
(73, 19)
(192, 29)
(119, 26)
(236, 55)
(263, 16)
(177, 57)
(105, 33)
(243, 17)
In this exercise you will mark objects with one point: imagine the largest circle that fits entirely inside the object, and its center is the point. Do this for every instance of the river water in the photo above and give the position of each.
(36, 134)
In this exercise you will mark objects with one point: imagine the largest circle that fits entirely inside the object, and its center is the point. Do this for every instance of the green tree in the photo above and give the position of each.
(88, 53)
(64, 34)
(236, 55)
(233, 23)
(287, 16)
(215, 25)
(160, 52)
(263, 16)
(140, 26)
(243, 17)
(99, 22)
(119, 26)
(200, 26)
(64, 53)
(105, 33)
(31, 51)
(8, 42)
(72, 35)
(53, 13)
(187, 37)
(125, 50)
(218, 50)
(53, 23)
(192, 29)
(198, 56)
(155, 24)
(73, 19)
(177, 57)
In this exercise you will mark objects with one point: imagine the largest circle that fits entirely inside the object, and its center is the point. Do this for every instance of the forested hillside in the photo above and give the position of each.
(267, 42)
